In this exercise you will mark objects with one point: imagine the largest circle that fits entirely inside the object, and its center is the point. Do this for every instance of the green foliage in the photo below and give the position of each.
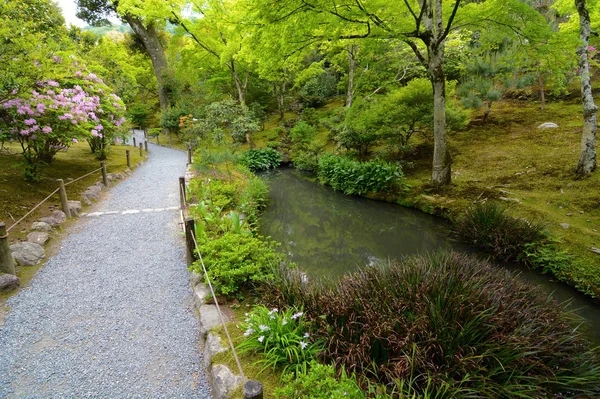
(353, 177)
(139, 113)
(260, 159)
(318, 89)
(302, 133)
(235, 262)
(242, 127)
(446, 325)
(488, 226)
(282, 338)
(319, 382)
(546, 257)
(254, 198)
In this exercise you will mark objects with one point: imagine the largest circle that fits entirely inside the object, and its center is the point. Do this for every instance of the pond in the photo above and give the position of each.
(327, 233)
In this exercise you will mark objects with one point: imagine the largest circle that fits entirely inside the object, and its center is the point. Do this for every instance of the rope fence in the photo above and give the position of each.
(84, 176)
(252, 389)
(32, 209)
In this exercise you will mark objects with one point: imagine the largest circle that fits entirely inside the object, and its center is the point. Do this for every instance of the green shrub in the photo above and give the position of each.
(319, 382)
(353, 177)
(237, 261)
(546, 257)
(302, 133)
(446, 323)
(488, 226)
(281, 337)
(260, 159)
(254, 198)
(222, 193)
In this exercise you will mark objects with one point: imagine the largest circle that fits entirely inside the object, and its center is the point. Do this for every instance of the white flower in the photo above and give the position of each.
(262, 327)
(272, 317)
(284, 322)
(274, 310)
(306, 335)
(261, 338)
(248, 332)
(303, 344)
(296, 315)
(246, 314)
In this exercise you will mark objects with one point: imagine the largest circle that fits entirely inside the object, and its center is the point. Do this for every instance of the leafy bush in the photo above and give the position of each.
(260, 159)
(254, 198)
(546, 257)
(318, 89)
(282, 337)
(446, 323)
(302, 133)
(488, 226)
(237, 261)
(319, 382)
(353, 177)
(221, 193)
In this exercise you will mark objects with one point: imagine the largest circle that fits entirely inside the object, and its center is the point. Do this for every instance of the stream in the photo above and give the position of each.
(327, 233)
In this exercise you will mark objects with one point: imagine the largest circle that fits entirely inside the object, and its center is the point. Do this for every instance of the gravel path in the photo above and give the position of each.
(111, 315)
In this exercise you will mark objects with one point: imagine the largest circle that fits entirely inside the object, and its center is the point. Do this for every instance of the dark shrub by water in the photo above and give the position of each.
(488, 226)
(446, 324)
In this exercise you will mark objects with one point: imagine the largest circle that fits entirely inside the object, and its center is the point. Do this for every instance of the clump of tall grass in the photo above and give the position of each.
(488, 226)
(445, 324)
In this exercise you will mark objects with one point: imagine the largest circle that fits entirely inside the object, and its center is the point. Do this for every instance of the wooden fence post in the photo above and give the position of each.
(170, 141)
(6, 261)
(157, 139)
(104, 174)
(127, 153)
(146, 134)
(189, 155)
(134, 141)
(182, 192)
(190, 231)
(146, 145)
(141, 149)
(253, 390)
(63, 198)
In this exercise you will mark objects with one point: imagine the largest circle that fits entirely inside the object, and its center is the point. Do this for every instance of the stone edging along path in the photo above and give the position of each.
(32, 252)
(111, 315)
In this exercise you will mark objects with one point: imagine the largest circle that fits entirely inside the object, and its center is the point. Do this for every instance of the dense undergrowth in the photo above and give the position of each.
(438, 326)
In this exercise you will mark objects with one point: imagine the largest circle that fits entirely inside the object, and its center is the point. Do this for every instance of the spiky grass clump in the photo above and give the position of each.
(488, 226)
(448, 323)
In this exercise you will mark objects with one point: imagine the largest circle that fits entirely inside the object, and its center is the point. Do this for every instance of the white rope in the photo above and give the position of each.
(33, 209)
(79, 178)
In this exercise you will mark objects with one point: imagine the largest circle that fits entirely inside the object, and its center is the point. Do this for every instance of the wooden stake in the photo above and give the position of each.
(253, 390)
(104, 174)
(6, 261)
(190, 231)
(128, 158)
(63, 198)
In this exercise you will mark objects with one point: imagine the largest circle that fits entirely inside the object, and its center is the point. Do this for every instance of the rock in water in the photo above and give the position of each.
(548, 125)
(27, 253)
(38, 237)
(8, 282)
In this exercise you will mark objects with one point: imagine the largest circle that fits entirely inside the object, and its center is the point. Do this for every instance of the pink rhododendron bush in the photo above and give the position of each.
(70, 104)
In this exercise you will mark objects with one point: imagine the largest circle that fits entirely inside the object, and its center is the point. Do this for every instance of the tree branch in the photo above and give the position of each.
(450, 20)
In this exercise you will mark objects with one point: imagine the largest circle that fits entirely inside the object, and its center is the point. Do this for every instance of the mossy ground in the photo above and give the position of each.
(509, 157)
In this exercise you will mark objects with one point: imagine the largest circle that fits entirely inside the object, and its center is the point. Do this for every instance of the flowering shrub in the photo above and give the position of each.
(75, 105)
(282, 337)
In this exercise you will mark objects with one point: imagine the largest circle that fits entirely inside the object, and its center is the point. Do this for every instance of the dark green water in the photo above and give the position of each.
(328, 233)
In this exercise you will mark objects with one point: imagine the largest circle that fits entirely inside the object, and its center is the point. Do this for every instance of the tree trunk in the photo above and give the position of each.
(488, 109)
(587, 158)
(149, 37)
(352, 49)
(542, 90)
(441, 174)
(241, 88)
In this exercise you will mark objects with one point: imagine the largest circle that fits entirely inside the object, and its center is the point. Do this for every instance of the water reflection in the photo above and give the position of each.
(328, 233)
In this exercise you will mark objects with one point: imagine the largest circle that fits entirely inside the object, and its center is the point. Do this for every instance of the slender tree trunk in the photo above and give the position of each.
(488, 109)
(149, 37)
(441, 173)
(241, 87)
(542, 90)
(587, 158)
(280, 95)
(351, 49)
